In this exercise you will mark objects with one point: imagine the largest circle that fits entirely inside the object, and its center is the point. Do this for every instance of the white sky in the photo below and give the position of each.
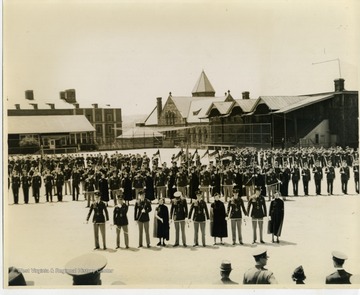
(127, 53)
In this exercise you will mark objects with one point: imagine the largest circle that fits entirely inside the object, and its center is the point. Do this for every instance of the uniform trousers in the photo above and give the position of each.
(206, 192)
(126, 235)
(228, 191)
(180, 225)
(182, 190)
(26, 194)
(200, 224)
(344, 185)
(161, 192)
(48, 192)
(255, 222)
(75, 192)
(67, 184)
(318, 186)
(89, 195)
(142, 226)
(114, 193)
(236, 224)
(100, 226)
(15, 190)
(330, 185)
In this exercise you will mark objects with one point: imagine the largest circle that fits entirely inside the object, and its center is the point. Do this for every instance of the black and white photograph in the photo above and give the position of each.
(196, 146)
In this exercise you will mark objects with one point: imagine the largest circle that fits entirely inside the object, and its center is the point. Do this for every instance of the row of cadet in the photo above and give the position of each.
(164, 182)
(180, 215)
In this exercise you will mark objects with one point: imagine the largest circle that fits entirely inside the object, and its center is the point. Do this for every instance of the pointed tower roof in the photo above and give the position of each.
(203, 86)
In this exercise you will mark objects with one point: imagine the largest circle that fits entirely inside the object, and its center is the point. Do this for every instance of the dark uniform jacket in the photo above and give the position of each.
(120, 217)
(139, 206)
(234, 208)
(257, 207)
(178, 210)
(339, 277)
(200, 211)
(330, 173)
(99, 210)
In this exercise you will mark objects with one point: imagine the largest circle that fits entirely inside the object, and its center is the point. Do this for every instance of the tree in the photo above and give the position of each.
(29, 144)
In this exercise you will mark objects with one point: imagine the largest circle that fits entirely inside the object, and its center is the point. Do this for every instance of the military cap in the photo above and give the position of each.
(235, 191)
(260, 253)
(339, 255)
(225, 265)
(198, 193)
(257, 188)
(86, 269)
(97, 193)
(141, 192)
(120, 197)
(177, 194)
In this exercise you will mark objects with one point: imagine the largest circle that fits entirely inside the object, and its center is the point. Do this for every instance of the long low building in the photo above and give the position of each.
(62, 133)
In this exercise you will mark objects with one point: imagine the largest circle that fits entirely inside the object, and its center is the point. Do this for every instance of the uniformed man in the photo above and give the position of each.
(259, 274)
(257, 210)
(201, 214)
(306, 176)
(330, 176)
(234, 208)
(100, 213)
(225, 270)
(205, 182)
(340, 276)
(15, 185)
(179, 213)
(318, 175)
(345, 175)
(141, 215)
(121, 221)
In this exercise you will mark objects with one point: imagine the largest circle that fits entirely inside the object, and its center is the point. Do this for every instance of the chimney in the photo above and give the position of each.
(62, 95)
(246, 95)
(70, 96)
(51, 105)
(17, 106)
(29, 94)
(159, 107)
(339, 85)
(35, 105)
(95, 105)
(76, 105)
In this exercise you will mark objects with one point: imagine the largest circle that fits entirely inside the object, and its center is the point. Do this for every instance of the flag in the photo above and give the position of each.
(178, 155)
(195, 153)
(206, 153)
(213, 154)
(156, 155)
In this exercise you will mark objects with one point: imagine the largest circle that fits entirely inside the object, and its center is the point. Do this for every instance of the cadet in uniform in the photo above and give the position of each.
(234, 208)
(179, 213)
(340, 276)
(201, 214)
(225, 270)
(345, 175)
(257, 210)
(141, 215)
(99, 209)
(121, 221)
(258, 274)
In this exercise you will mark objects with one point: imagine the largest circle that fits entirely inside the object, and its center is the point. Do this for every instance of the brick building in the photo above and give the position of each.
(106, 120)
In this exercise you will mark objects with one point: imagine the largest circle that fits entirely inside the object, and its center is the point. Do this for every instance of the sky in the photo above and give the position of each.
(127, 53)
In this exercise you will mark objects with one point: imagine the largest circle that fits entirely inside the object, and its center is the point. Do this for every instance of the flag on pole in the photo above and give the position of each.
(206, 153)
(194, 154)
(178, 155)
(213, 154)
(156, 155)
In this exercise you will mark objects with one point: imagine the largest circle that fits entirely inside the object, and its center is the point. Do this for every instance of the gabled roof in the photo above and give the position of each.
(198, 109)
(308, 100)
(48, 124)
(275, 103)
(245, 104)
(222, 107)
(203, 85)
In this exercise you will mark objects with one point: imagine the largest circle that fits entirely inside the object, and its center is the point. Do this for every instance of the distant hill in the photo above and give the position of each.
(130, 121)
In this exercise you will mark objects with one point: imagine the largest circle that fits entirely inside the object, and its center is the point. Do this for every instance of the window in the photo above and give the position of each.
(98, 129)
(109, 117)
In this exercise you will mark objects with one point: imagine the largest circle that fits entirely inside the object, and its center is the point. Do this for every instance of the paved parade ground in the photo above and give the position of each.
(41, 238)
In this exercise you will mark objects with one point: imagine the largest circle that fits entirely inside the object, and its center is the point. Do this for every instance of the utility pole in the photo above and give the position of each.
(331, 60)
